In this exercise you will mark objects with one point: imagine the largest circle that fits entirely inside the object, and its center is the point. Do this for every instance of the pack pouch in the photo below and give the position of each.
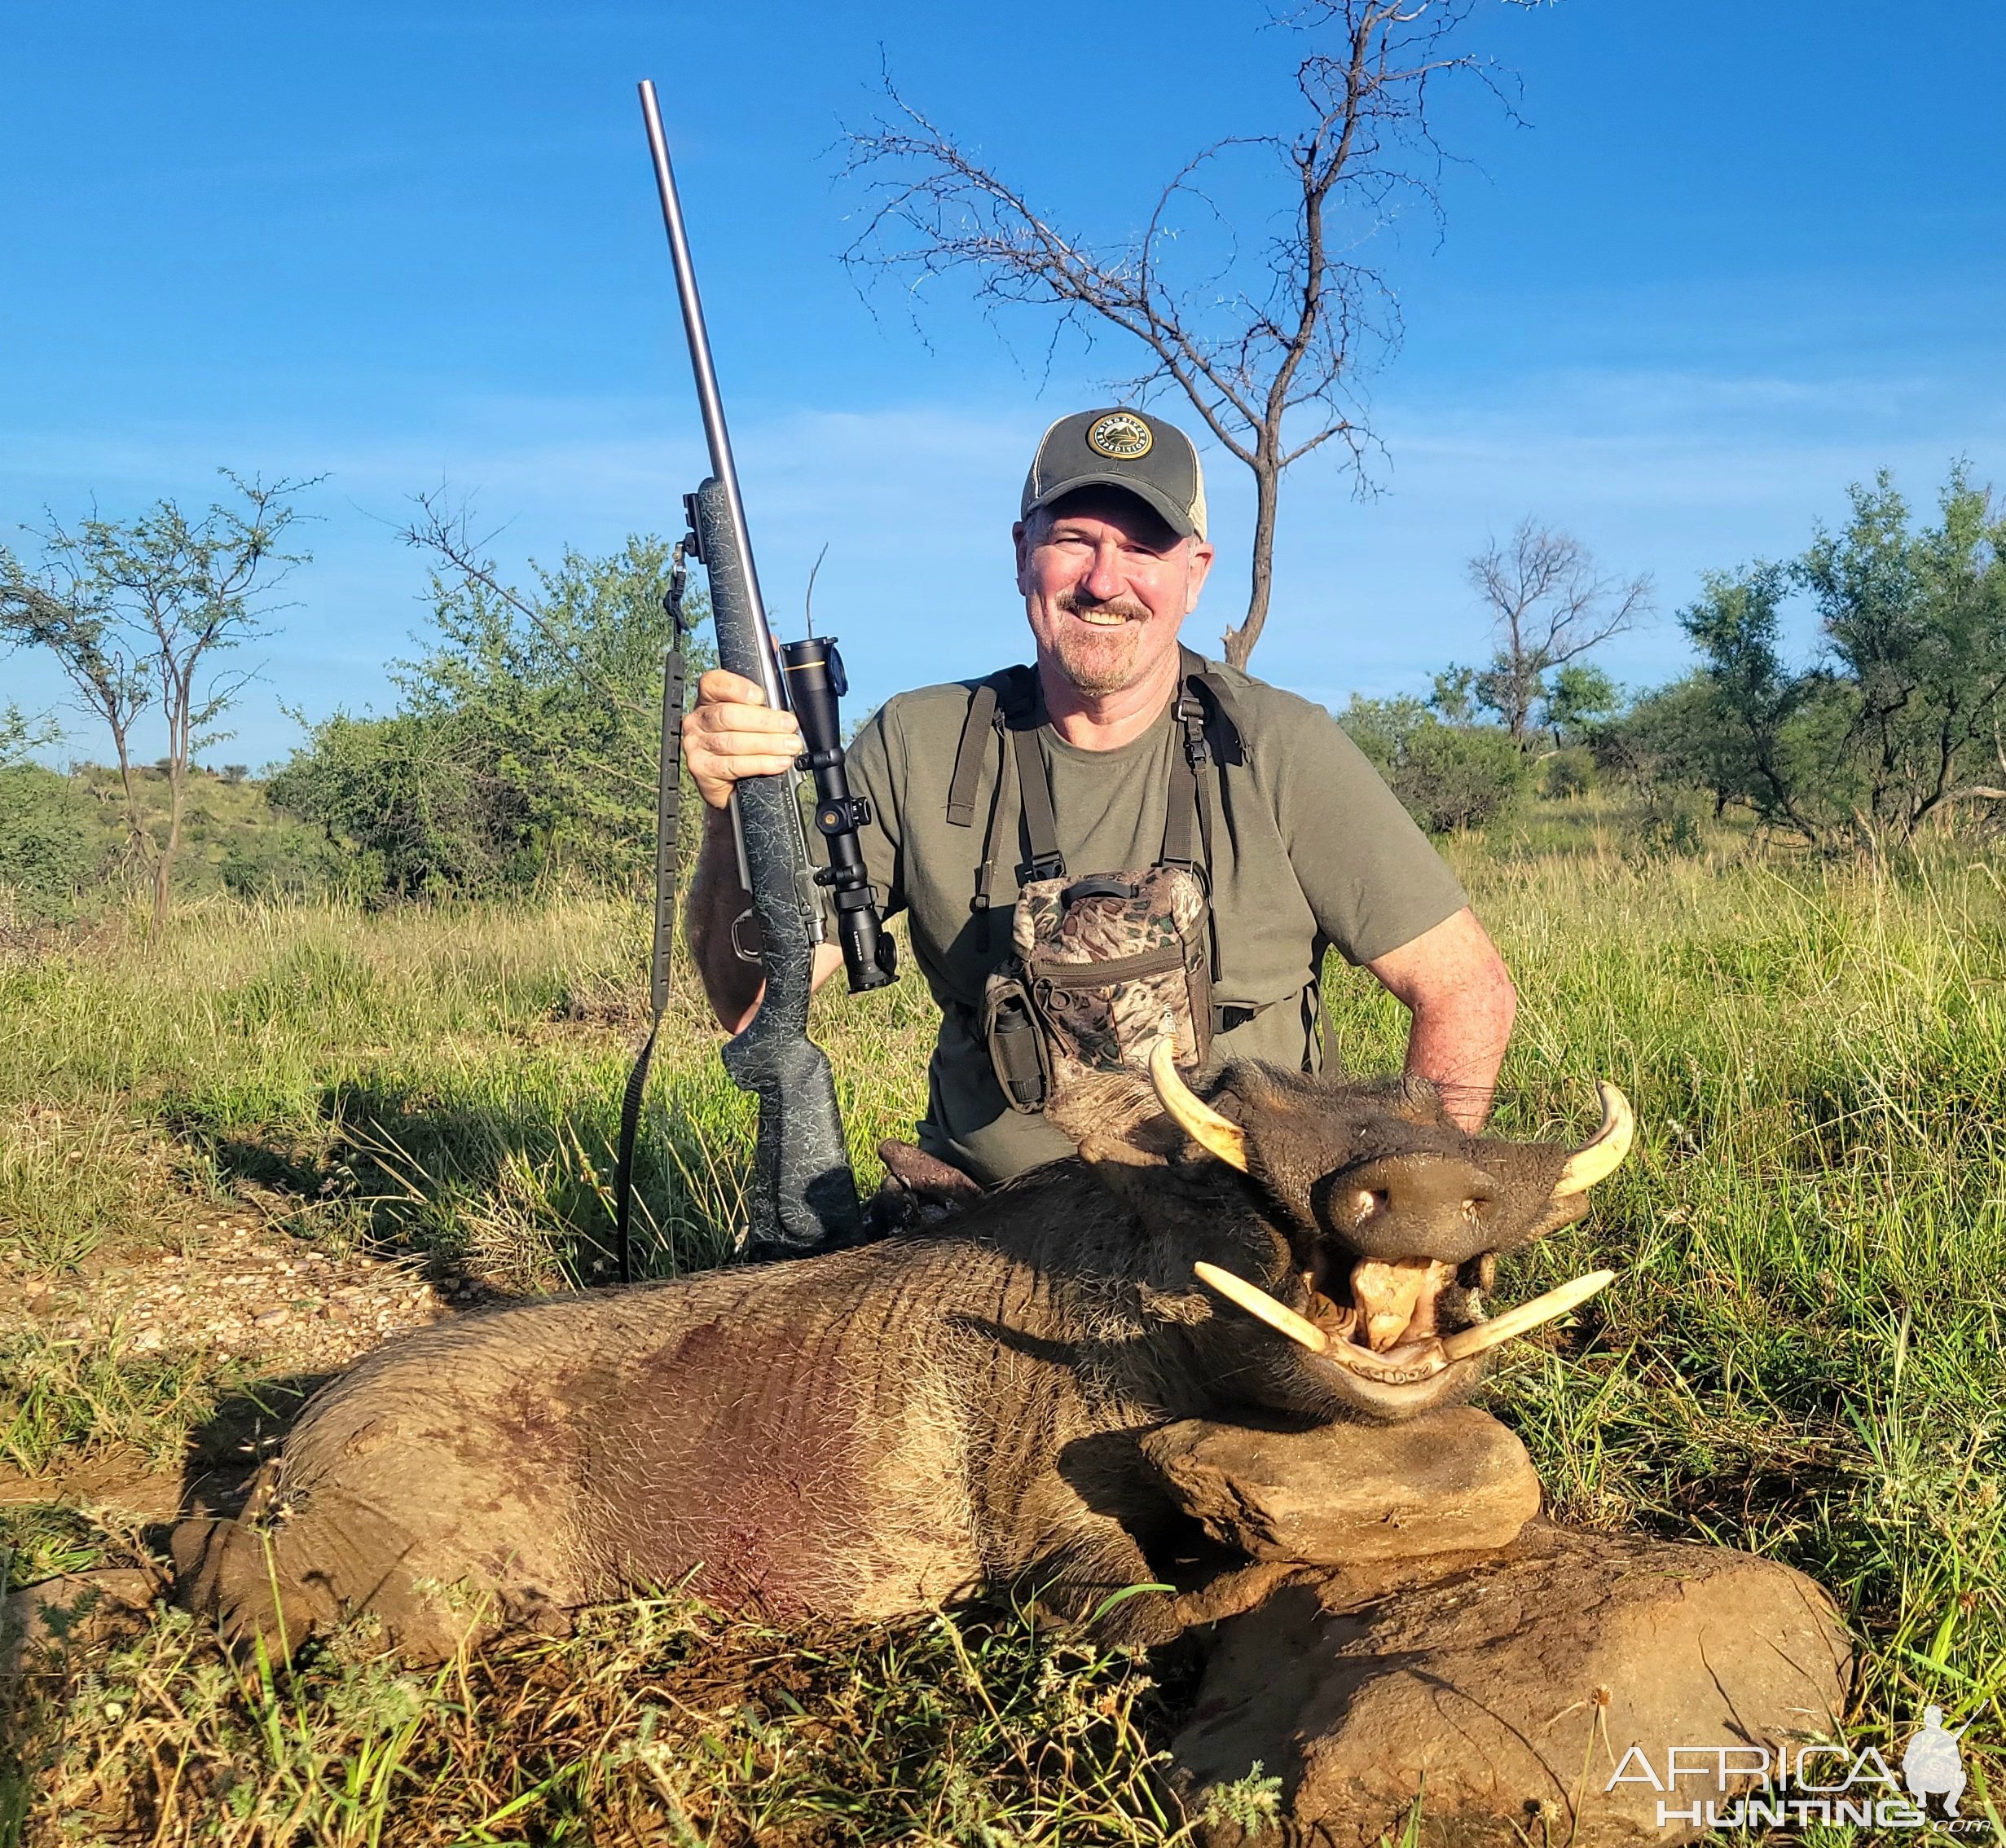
(1103, 968)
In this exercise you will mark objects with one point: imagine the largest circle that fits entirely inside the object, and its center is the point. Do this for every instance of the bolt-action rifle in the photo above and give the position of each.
(802, 1195)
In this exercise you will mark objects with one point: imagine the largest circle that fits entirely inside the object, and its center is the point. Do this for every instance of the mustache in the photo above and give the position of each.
(1072, 602)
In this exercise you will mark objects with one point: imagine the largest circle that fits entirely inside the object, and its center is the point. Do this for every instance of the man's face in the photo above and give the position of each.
(1106, 585)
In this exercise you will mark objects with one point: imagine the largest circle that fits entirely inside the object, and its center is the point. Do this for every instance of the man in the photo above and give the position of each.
(1311, 849)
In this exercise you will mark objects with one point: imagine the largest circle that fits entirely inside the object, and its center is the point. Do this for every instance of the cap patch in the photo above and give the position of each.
(1121, 435)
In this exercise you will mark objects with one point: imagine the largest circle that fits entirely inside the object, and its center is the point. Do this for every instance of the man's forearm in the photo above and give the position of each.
(1456, 987)
(716, 899)
(1458, 1045)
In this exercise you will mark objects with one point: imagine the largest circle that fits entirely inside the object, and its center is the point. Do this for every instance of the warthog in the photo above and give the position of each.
(876, 1430)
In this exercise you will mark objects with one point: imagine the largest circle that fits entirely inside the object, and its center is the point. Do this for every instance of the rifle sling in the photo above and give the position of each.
(668, 819)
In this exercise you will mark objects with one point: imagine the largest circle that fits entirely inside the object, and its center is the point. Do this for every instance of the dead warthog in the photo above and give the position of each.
(877, 1430)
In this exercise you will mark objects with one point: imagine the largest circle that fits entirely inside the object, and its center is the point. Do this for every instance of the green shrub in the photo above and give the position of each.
(1449, 777)
(53, 845)
(1568, 773)
(285, 859)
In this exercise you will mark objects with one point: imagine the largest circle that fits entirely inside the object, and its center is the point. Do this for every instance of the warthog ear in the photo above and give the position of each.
(1111, 1116)
(1124, 1151)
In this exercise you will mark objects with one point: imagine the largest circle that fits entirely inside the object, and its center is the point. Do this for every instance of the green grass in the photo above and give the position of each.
(451, 1078)
(1804, 1354)
(659, 1723)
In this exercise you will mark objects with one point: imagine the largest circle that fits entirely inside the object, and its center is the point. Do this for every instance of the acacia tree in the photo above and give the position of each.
(1264, 341)
(134, 613)
(1916, 621)
(23, 732)
(1549, 606)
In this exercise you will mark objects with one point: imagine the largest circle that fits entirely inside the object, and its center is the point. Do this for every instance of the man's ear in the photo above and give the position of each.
(1020, 542)
(1197, 570)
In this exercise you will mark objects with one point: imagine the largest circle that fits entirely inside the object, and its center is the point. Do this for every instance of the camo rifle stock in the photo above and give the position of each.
(802, 1195)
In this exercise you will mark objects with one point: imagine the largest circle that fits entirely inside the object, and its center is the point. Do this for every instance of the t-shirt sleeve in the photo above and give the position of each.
(1370, 874)
(873, 762)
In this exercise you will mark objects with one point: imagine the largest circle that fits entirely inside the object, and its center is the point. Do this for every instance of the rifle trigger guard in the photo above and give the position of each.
(738, 946)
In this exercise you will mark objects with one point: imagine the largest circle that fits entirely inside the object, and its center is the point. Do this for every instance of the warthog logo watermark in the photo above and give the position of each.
(1829, 1786)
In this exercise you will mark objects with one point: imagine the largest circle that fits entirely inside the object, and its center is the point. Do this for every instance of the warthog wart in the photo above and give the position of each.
(877, 1430)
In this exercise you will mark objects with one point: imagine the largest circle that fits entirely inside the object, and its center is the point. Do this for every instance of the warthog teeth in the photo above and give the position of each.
(1527, 1316)
(1461, 1346)
(1388, 1295)
(1600, 1156)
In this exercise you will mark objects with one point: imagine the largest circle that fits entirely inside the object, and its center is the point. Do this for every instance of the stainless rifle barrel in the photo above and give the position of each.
(707, 398)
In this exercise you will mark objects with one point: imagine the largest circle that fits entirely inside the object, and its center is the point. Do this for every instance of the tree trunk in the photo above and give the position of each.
(164, 862)
(139, 842)
(1239, 643)
(164, 865)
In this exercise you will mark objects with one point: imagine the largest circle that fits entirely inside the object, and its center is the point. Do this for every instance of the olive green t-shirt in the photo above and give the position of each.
(1310, 851)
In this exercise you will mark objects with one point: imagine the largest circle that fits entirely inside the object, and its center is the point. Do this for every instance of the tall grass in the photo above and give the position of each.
(448, 1077)
(1804, 1354)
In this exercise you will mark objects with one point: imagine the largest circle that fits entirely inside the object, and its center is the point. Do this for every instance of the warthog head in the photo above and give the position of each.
(1356, 1223)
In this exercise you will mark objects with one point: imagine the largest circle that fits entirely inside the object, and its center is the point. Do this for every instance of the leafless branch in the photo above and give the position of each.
(1265, 344)
(1548, 605)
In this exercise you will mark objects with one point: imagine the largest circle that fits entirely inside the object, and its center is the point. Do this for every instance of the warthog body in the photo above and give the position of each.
(876, 1430)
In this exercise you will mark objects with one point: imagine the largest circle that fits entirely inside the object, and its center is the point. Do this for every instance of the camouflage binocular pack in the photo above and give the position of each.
(1103, 968)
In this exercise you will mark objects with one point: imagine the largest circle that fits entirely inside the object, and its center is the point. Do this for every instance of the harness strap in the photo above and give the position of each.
(1006, 703)
(1012, 686)
(1188, 821)
(1035, 790)
(970, 753)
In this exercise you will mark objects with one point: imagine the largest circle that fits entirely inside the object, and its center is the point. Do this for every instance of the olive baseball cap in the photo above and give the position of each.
(1117, 447)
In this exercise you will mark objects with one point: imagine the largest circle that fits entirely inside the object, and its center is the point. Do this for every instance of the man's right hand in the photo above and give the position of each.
(731, 733)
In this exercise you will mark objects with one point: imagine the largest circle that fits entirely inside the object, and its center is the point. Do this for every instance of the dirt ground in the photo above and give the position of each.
(260, 1312)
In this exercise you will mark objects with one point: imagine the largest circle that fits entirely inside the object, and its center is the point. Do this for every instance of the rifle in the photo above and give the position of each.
(802, 1195)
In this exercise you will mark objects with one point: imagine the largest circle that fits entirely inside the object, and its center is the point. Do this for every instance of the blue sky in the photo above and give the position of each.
(1740, 255)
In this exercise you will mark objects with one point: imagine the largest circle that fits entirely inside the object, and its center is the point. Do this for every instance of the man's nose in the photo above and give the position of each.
(1104, 579)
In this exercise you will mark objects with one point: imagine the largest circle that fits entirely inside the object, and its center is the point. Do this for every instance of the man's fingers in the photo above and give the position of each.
(739, 754)
(761, 722)
(724, 742)
(721, 686)
(728, 730)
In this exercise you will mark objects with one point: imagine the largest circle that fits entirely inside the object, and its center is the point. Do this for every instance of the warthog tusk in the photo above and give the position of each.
(1599, 1157)
(1258, 1303)
(1204, 1125)
(1514, 1322)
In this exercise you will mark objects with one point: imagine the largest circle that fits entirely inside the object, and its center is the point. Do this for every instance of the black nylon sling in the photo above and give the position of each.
(668, 819)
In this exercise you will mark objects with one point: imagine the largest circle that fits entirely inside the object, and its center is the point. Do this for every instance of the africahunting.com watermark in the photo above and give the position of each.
(1831, 1786)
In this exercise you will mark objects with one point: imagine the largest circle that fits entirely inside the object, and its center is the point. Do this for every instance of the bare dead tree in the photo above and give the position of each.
(1264, 344)
(134, 612)
(1549, 605)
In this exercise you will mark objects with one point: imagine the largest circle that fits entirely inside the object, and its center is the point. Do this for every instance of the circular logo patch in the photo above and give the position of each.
(1120, 435)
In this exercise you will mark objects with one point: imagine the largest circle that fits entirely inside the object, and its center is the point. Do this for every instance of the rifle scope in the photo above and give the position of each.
(815, 682)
